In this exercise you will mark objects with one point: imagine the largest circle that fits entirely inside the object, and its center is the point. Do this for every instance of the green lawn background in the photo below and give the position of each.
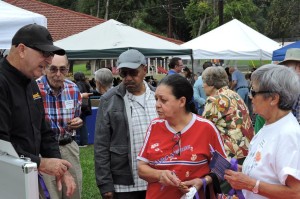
(89, 187)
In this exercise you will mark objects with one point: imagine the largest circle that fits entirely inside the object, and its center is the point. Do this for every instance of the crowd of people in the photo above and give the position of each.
(153, 139)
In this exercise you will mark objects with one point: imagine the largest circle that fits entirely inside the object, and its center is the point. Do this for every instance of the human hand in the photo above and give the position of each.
(69, 181)
(54, 166)
(184, 187)
(238, 180)
(169, 178)
(75, 123)
(108, 195)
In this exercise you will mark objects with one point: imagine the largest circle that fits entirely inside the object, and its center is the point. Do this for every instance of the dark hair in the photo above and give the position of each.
(206, 65)
(79, 76)
(180, 87)
(189, 73)
(174, 62)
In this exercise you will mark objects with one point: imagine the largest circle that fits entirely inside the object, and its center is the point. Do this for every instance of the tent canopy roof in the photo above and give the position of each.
(111, 38)
(12, 18)
(279, 54)
(233, 40)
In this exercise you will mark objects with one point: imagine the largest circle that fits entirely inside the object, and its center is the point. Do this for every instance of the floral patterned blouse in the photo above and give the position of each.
(229, 113)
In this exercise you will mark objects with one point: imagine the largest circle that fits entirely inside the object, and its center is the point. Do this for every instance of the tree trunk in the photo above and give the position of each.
(202, 22)
(106, 10)
(170, 19)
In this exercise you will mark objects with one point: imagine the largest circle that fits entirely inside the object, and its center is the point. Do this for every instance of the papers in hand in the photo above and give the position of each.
(218, 164)
(190, 194)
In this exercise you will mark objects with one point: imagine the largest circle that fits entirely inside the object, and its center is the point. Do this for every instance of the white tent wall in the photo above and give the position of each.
(232, 41)
(12, 18)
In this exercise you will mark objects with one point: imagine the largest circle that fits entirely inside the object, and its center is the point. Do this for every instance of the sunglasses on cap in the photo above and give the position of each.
(63, 69)
(45, 54)
(252, 93)
(131, 72)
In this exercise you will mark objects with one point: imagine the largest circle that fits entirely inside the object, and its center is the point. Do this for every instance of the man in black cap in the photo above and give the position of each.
(22, 116)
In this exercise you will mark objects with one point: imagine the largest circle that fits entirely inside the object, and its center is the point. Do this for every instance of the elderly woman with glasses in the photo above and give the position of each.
(272, 169)
(227, 110)
(176, 150)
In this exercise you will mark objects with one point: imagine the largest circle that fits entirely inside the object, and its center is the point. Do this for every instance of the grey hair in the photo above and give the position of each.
(215, 76)
(278, 79)
(105, 77)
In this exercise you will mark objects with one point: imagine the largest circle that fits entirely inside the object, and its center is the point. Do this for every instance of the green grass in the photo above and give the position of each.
(89, 187)
(81, 68)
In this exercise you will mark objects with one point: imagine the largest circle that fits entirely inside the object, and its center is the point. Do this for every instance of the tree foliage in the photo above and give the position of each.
(283, 18)
(198, 14)
(190, 18)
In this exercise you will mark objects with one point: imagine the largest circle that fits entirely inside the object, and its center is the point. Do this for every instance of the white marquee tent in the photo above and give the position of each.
(13, 18)
(232, 41)
(111, 38)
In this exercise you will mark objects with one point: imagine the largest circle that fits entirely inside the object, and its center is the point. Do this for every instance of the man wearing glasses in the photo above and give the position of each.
(22, 115)
(123, 116)
(62, 103)
(175, 66)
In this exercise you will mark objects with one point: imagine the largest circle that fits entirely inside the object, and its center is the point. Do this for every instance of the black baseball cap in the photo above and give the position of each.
(36, 36)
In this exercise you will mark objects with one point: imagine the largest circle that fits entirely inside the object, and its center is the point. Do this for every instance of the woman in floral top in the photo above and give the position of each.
(228, 112)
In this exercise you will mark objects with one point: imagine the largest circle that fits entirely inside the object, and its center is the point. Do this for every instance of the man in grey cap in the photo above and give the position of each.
(122, 120)
(292, 60)
(22, 115)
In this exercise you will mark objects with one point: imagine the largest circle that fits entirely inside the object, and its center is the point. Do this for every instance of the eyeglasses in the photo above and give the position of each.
(53, 69)
(252, 93)
(45, 54)
(176, 147)
(131, 72)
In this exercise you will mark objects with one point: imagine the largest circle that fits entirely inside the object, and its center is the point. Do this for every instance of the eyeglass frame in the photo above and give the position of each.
(46, 54)
(253, 93)
(131, 72)
(177, 143)
(58, 69)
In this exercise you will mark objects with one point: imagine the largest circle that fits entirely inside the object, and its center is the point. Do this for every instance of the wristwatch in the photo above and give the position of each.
(255, 188)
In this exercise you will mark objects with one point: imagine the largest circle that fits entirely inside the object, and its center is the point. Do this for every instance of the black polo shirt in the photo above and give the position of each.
(22, 116)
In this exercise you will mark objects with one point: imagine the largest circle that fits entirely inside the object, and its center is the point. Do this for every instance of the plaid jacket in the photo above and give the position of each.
(61, 108)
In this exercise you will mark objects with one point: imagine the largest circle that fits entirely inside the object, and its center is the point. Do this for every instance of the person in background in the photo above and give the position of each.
(272, 169)
(92, 83)
(228, 112)
(22, 115)
(189, 75)
(239, 83)
(229, 76)
(291, 60)
(195, 77)
(199, 94)
(62, 104)
(175, 66)
(104, 80)
(176, 150)
(86, 108)
(124, 114)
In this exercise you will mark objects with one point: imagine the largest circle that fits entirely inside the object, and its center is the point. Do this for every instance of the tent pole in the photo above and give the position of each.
(156, 63)
(192, 59)
(148, 60)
